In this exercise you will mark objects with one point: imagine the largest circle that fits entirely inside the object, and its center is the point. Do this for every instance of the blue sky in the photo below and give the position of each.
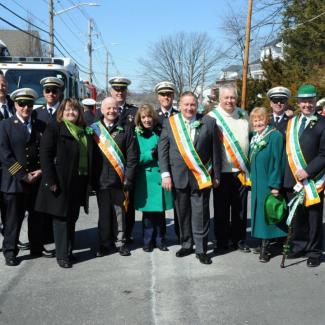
(127, 27)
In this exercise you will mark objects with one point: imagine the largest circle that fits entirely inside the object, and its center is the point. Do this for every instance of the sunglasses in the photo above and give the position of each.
(119, 88)
(23, 103)
(166, 94)
(280, 100)
(51, 90)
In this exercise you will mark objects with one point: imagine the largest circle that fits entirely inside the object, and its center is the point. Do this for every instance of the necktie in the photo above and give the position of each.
(50, 110)
(277, 119)
(166, 114)
(302, 126)
(5, 111)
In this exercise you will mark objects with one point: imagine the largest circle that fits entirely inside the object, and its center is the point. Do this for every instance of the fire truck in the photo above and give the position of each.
(21, 72)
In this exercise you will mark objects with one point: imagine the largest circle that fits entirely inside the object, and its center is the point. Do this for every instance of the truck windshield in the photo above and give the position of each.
(31, 79)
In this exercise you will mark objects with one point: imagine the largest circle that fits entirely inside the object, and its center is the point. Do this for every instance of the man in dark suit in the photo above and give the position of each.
(183, 164)
(278, 97)
(113, 177)
(165, 91)
(305, 170)
(52, 92)
(127, 114)
(20, 138)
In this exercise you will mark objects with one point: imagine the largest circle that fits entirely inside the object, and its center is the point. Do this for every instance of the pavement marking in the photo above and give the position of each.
(153, 289)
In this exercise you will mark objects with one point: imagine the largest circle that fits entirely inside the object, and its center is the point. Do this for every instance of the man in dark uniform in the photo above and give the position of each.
(165, 91)
(127, 113)
(113, 177)
(52, 92)
(20, 137)
(305, 174)
(90, 115)
(278, 97)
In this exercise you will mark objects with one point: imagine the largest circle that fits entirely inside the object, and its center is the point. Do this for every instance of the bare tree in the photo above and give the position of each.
(183, 59)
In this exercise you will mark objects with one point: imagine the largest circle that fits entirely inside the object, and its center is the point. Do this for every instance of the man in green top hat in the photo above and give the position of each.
(306, 139)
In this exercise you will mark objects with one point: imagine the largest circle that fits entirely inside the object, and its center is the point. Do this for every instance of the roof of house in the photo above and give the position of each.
(232, 68)
(20, 43)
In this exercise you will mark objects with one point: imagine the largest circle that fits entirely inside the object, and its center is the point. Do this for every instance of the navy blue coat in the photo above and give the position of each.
(19, 153)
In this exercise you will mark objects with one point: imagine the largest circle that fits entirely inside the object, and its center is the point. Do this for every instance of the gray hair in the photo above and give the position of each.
(229, 86)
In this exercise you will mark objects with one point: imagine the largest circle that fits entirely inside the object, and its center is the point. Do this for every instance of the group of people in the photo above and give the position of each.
(153, 160)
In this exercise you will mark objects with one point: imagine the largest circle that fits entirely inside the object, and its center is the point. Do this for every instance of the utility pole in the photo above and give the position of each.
(245, 66)
(51, 27)
(90, 50)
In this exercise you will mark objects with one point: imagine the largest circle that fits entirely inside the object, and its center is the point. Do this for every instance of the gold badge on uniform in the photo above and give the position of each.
(16, 121)
(130, 118)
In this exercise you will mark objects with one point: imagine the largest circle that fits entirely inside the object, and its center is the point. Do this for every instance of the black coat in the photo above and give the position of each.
(104, 175)
(11, 108)
(162, 117)
(282, 125)
(206, 143)
(312, 144)
(43, 114)
(127, 114)
(60, 162)
(19, 153)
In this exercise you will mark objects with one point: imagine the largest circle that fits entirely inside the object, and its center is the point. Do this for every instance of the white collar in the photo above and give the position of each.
(55, 106)
(22, 120)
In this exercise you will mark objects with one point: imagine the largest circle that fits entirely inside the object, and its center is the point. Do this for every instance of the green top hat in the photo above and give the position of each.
(275, 208)
(307, 91)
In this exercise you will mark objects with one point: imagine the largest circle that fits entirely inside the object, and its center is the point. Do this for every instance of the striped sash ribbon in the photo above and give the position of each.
(188, 152)
(109, 148)
(297, 161)
(233, 148)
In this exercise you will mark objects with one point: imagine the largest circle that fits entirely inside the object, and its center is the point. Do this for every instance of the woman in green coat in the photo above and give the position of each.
(267, 172)
(150, 197)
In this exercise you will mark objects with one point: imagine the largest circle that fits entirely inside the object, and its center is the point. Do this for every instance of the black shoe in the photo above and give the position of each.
(313, 261)
(124, 251)
(204, 258)
(148, 249)
(11, 261)
(23, 246)
(265, 255)
(163, 248)
(184, 252)
(243, 247)
(64, 264)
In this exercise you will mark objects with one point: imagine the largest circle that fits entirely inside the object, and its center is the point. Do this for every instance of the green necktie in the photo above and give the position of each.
(302, 126)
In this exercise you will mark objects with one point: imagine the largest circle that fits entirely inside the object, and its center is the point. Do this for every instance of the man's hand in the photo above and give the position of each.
(36, 174)
(54, 188)
(167, 183)
(301, 174)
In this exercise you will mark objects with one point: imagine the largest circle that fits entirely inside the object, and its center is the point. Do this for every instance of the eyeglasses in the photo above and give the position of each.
(277, 100)
(51, 90)
(23, 103)
(166, 94)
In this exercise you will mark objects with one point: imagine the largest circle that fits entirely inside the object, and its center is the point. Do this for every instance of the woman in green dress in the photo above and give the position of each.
(267, 172)
(150, 197)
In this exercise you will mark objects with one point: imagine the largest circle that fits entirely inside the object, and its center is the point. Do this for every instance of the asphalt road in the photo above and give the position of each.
(158, 288)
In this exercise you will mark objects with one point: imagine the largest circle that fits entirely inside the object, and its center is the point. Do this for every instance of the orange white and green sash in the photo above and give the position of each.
(109, 148)
(186, 149)
(297, 161)
(232, 147)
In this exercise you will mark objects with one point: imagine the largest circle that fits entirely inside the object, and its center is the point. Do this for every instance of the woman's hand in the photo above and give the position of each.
(54, 188)
(275, 192)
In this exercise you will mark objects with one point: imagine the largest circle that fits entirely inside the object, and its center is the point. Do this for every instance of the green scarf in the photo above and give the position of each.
(79, 134)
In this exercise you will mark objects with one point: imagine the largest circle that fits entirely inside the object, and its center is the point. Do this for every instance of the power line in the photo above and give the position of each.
(25, 20)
